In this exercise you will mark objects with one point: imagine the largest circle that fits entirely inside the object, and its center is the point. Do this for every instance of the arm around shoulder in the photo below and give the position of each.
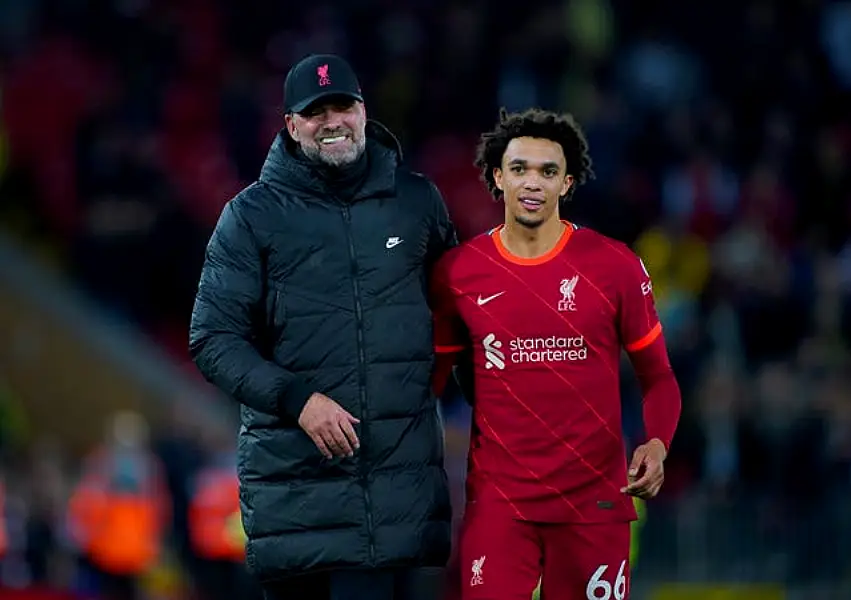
(223, 331)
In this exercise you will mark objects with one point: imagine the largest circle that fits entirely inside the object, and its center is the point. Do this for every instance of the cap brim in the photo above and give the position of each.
(301, 106)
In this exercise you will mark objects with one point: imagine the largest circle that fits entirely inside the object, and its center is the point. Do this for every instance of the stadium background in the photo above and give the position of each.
(721, 134)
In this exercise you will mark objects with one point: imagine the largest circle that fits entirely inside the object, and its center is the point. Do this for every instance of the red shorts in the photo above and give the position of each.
(503, 558)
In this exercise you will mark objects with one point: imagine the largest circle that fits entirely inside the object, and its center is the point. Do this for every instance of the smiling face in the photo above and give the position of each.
(532, 178)
(331, 131)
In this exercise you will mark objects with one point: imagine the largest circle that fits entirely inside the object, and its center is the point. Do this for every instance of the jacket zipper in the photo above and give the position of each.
(363, 467)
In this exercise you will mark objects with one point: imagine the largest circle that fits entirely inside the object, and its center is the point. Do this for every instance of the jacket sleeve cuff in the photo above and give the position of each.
(294, 397)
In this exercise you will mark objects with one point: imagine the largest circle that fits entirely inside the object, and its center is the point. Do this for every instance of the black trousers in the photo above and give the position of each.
(383, 584)
(225, 580)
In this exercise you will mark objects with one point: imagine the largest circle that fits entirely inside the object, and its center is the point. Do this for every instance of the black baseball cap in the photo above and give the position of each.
(319, 76)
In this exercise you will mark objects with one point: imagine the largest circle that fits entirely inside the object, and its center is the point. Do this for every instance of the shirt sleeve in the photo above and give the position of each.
(638, 321)
(450, 337)
(449, 330)
(642, 337)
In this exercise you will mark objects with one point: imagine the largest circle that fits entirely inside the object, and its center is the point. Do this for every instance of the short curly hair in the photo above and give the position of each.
(536, 123)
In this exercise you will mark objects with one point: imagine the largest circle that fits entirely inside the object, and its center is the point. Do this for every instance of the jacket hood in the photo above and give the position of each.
(286, 171)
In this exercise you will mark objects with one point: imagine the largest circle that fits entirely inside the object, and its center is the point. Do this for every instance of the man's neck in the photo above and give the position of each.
(345, 180)
(528, 242)
(333, 171)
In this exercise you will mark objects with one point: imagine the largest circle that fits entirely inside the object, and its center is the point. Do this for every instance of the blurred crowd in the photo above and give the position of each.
(721, 135)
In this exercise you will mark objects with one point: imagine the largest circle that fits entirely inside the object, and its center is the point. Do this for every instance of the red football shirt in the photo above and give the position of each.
(547, 335)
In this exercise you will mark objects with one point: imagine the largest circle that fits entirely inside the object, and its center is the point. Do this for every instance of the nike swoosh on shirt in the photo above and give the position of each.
(482, 301)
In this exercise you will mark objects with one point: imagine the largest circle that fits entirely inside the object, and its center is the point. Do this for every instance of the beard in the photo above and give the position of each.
(351, 151)
(528, 221)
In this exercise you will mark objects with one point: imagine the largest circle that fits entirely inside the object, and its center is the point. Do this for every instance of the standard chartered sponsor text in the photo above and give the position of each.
(547, 349)
(521, 350)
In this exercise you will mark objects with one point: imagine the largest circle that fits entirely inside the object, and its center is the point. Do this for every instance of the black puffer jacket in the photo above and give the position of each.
(304, 291)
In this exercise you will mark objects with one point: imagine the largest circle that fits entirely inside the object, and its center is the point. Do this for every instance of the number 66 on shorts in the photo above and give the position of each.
(599, 588)
(505, 558)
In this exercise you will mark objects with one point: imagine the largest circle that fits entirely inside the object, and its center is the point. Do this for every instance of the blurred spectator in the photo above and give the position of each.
(179, 446)
(119, 509)
(215, 525)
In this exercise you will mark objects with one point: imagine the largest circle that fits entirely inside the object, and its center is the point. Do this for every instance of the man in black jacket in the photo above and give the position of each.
(311, 312)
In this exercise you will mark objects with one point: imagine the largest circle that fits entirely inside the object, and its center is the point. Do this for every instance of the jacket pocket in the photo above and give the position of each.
(276, 313)
(270, 324)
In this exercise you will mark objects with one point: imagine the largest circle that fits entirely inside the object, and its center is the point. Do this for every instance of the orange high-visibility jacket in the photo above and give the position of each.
(214, 519)
(120, 531)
